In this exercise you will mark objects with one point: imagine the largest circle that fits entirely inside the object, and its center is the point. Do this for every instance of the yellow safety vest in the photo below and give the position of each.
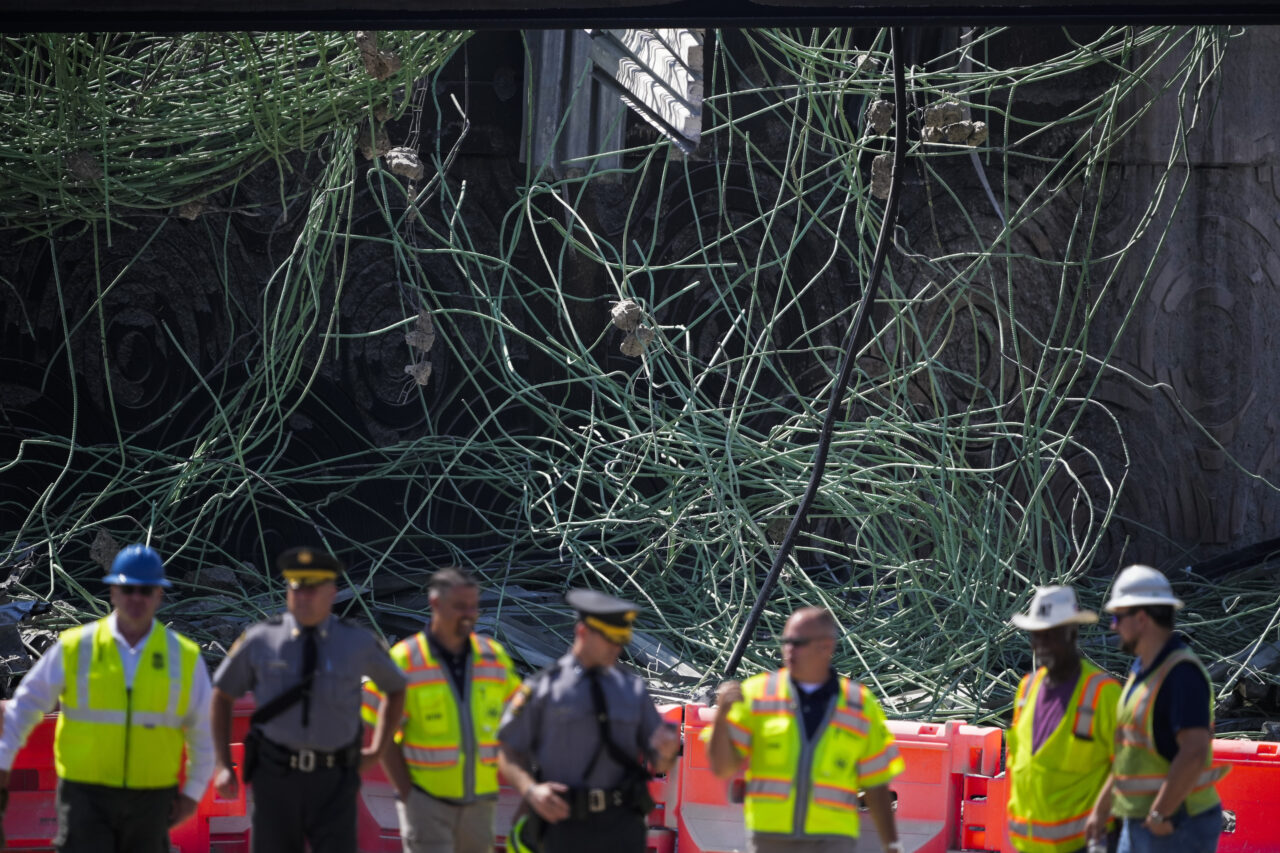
(1053, 789)
(1140, 770)
(108, 734)
(447, 758)
(806, 788)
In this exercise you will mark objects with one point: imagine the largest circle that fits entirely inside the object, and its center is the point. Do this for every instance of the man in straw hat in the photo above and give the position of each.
(1062, 738)
(1162, 782)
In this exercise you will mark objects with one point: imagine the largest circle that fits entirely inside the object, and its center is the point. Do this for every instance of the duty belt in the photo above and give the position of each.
(584, 802)
(308, 760)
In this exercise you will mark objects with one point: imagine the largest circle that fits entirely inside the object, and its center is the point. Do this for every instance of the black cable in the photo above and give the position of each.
(857, 332)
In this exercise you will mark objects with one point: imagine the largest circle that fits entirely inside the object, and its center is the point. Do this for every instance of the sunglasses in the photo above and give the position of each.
(1117, 618)
(798, 642)
(136, 588)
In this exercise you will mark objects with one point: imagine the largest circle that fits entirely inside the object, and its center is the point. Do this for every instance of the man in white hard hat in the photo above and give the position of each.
(1063, 733)
(1162, 781)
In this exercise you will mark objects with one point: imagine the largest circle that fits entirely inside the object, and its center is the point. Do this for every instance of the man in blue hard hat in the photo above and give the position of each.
(133, 695)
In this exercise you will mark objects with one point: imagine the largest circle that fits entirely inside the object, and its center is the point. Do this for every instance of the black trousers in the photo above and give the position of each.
(292, 809)
(101, 819)
(614, 830)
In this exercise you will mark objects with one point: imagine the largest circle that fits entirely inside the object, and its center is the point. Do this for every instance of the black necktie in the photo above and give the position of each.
(308, 671)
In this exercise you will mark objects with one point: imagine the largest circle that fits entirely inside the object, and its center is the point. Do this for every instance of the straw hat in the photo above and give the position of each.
(1053, 606)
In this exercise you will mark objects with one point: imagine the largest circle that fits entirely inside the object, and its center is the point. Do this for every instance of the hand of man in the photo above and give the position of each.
(664, 742)
(226, 783)
(368, 759)
(728, 694)
(1095, 828)
(1158, 828)
(184, 808)
(544, 798)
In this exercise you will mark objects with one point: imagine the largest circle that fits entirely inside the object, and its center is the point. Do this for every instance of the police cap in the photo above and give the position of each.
(306, 566)
(610, 616)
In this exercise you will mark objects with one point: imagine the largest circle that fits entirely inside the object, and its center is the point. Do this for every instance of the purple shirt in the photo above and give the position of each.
(1051, 705)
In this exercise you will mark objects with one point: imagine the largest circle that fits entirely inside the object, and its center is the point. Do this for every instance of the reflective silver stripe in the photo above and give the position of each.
(853, 695)
(1084, 712)
(415, 653)
(371, 698)
(1048, 831)
(1152, 784)
(85, 660)
(770, 706)
(434, 675)
(175, 673)
(835, 796)
(771, 684)
(1132, 737)
(425, 755)
(487, 654)
(84, 715)
(768, 787)
(739, 737)
(881, 762)
(1139, 784)
(488, 753)
(859, 724)
(157, 719)
(1084, 722)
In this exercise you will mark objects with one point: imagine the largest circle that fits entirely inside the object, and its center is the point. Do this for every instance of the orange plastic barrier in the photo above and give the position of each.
(1247, 799)
(31, 820)
(1249, 795)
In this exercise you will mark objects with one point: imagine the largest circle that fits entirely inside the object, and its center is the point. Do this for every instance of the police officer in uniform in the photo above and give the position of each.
(575, 740)
(304, 668)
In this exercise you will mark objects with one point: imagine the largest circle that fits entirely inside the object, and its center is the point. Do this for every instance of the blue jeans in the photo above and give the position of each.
(1197, 834)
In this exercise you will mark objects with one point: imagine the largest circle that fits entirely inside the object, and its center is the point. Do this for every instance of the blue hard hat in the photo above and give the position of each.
(137, 564)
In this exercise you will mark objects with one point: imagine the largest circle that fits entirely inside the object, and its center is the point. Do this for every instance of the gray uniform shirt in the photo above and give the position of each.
(267, 659)
(555, 724)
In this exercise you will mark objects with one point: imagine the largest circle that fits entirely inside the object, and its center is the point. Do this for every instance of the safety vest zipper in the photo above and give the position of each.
(804, 766)
(466, 729)
(128, 727)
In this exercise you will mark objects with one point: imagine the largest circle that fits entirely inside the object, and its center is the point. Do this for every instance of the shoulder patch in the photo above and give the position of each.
(518, 701)
(237, 644)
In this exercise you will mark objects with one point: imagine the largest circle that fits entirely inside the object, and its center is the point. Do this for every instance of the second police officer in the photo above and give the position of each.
(575, 739)
(303, 749)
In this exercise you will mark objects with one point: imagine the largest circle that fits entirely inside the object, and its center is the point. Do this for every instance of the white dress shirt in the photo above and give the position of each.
(40, 689)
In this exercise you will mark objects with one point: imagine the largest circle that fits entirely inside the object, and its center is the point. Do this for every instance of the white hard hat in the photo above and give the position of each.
(1053, 606)
(1142, 585)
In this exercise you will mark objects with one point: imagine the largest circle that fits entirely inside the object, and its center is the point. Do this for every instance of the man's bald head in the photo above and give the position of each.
(808, 644)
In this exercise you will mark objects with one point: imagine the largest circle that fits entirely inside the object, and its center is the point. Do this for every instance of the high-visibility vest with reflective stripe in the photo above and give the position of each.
(1140, 770)
(1053, 789)
(447, 758)
(108, 734)
(800, 788)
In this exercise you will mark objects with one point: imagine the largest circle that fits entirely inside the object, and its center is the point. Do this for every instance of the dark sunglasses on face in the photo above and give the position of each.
(797, 642)
(1117, 617)
(136, 588)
